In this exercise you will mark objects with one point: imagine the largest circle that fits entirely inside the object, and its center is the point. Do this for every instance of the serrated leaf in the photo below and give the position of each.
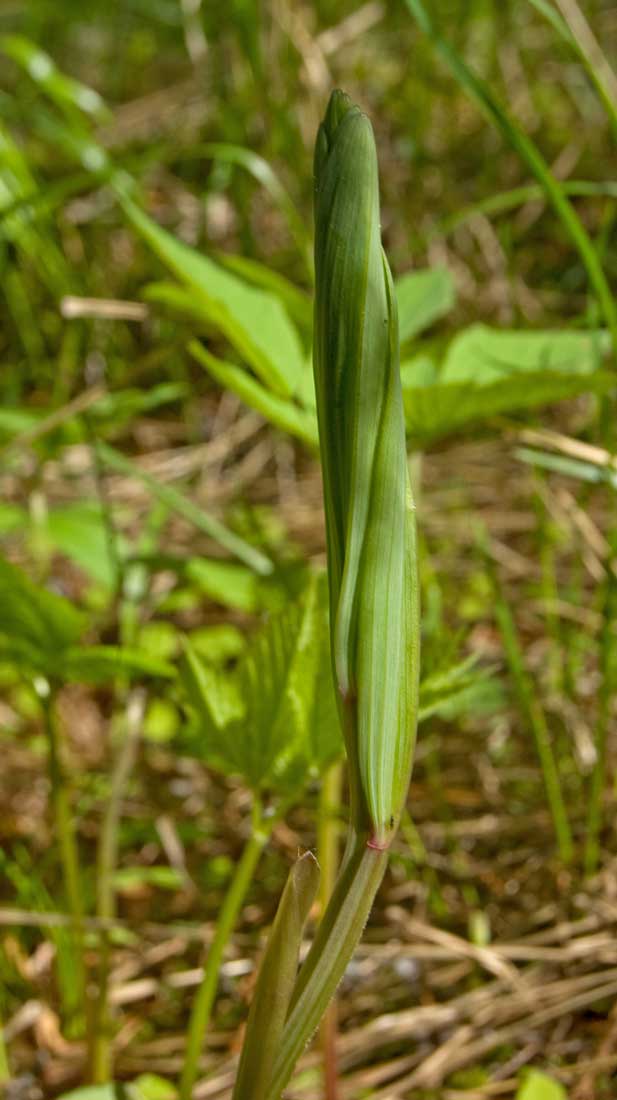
(461, 688)
(274, 718)
(423, 297)
(102, 663)
(29, 614)
(254, 321)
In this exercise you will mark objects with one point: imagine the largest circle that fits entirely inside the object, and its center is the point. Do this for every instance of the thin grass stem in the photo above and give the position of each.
(67, 842)
(102, 1061)
(234, 899)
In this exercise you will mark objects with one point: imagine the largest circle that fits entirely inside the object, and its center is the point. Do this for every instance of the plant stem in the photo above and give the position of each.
(535, 716)
(106, 865)
(5, 1071)
(234, 898)
(327, 851)
(488, 102)
(332, 949)
(67, 843)
(598, 779)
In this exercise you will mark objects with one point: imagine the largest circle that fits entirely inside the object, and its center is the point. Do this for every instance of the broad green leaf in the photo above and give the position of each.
(225, 582)
(283, 413)
(218, 644)
(539, 1086)
(101, 663)
(32, 615)
(489, 371)
(484, 356)
(432, 412)
(79, 532)
(254, 321)
(423, 297)
(297, 303)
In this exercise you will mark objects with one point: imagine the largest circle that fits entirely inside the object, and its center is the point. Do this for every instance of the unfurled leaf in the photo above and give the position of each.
(484, 356)
(283, 413)
(423, 297)
(79, 532)
(253, 321)
(227, 583)
(487, 372)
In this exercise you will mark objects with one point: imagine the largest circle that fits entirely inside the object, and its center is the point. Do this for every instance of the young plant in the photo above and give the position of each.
(372, 569)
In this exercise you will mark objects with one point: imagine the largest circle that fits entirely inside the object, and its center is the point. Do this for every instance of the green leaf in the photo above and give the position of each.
(457, 689)
(61, 89)
(254, 321)
(101, 663)
(283, 413)
(227, 583)
(274, 718)
(297, 303)
(483, 356)
(423, 297)
(127, 879)
(489, 372)
(539, 1086)
(12, 517)
(79, 532)
(481, 91)
(32, 616)
(275, 984)
(177, 502)
(220, 709)
(217, 644)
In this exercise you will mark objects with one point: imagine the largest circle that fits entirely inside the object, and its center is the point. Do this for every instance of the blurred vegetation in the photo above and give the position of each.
(160, 507)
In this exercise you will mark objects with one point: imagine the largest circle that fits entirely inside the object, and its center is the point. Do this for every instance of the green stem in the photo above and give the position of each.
(598, 779)
(534, 714)
(67, 843)
(480, 91)
(204, 1000)
(5, 1070)
(106, 865)
(327, 852)
(334, 944)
